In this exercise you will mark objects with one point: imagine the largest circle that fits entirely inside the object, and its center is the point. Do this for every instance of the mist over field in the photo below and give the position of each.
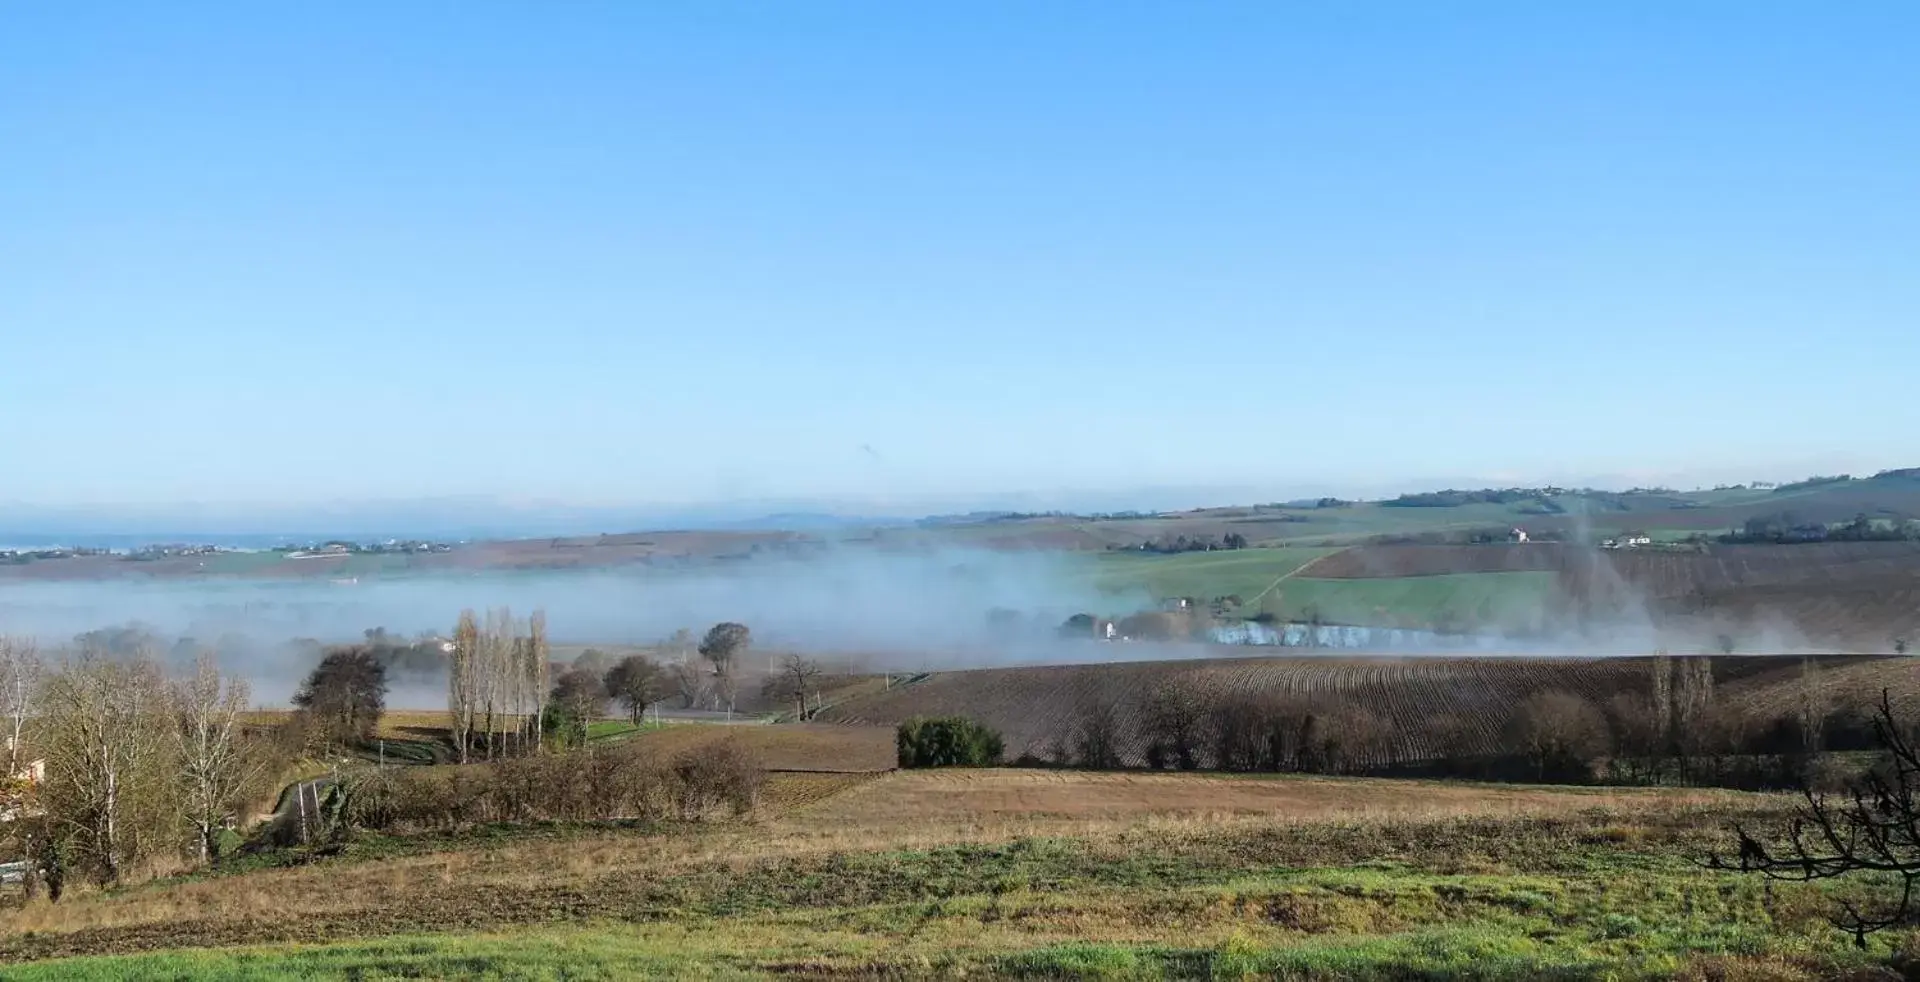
(900, 610)
(856, 607)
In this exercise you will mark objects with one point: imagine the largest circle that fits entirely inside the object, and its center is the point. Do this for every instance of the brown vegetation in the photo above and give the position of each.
(1633, 719)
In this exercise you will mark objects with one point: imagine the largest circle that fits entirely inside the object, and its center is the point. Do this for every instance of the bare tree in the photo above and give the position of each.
(636, 681)
(463, 687)
(538, 657)
(1637, 731)
(1694, 702)
(791, 680)
(689, 683)
(1560, 735)
(1097, 735)
(1811, 706)
(1175, 715)
(218, 767)
(20, 671)
(109, 761)
(496, 673)
(1872, 828)
(1662, 701)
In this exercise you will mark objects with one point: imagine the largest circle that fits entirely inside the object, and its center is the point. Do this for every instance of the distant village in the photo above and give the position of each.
(178, 550)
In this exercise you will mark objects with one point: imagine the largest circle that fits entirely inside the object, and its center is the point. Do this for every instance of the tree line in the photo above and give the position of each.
(115, 764)
(119, 765)
(1786, 527)
(1675, 731)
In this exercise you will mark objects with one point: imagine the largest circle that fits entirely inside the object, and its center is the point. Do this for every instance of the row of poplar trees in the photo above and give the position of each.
(497, 683)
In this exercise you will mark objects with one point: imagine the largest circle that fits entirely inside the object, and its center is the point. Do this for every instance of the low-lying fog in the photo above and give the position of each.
(875, 610)
(908, 611)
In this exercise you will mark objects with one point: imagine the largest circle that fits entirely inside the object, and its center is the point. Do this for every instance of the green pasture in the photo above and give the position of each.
(1453, 601)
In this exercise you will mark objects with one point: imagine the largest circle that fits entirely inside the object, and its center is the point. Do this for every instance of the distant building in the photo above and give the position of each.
(1629, 540)
(1518, 535)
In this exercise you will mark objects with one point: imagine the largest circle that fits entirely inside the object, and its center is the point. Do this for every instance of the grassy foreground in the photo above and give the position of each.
(1604, 893)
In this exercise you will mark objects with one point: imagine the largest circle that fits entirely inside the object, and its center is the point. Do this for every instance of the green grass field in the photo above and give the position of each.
(1457, 600)
(1588, 897)
(1245, 572)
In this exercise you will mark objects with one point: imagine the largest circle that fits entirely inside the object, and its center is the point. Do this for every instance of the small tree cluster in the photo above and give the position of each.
(952, 741)
(615, 782)
(136, 765)
(497, 682)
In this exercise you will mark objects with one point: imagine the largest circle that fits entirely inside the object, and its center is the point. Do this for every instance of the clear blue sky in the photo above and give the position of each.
(653, 252)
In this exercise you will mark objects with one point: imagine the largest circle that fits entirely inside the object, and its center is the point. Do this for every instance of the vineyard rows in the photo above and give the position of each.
(1417, 709)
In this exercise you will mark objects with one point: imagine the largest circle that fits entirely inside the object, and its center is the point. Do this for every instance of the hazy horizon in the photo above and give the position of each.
(475, 516)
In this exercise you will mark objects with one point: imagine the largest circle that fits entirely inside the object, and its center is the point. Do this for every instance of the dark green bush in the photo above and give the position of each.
(951, 741)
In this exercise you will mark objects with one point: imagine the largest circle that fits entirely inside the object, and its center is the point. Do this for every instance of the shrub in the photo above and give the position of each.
(723, 772)
(952, 741)
(594, 784)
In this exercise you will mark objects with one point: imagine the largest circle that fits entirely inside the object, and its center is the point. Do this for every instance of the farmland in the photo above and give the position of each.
(1246, 573)
(1854, 595)
(1000, 874)
(1480, 601)
(1410, 710)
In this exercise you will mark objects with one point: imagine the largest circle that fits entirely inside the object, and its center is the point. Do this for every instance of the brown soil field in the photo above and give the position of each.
(1415, 708)
(1855, 685)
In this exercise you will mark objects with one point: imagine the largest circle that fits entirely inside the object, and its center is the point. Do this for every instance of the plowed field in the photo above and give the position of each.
(1419, 707)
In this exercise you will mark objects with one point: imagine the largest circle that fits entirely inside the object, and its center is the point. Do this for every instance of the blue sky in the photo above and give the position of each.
(651, 252)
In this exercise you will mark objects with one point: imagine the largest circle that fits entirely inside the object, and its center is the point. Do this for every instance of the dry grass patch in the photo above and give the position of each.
(997, 795)
(788, 746)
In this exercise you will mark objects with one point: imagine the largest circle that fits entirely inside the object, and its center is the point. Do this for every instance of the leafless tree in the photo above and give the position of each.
(1872, 828)
(680, 643)
(791, 680)
(1811, 705)
(463, 684)
(1692, 734)
(1559, 733)
(689, 683)
(110, 764)
(20, 671)
(1662, 699)
(497, 644)
(1638, 731)
(539, 657)
(218, 766)
(1175, 714)
(1097, 735)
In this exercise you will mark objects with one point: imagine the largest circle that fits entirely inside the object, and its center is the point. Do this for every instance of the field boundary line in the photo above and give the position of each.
(1290, 574)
